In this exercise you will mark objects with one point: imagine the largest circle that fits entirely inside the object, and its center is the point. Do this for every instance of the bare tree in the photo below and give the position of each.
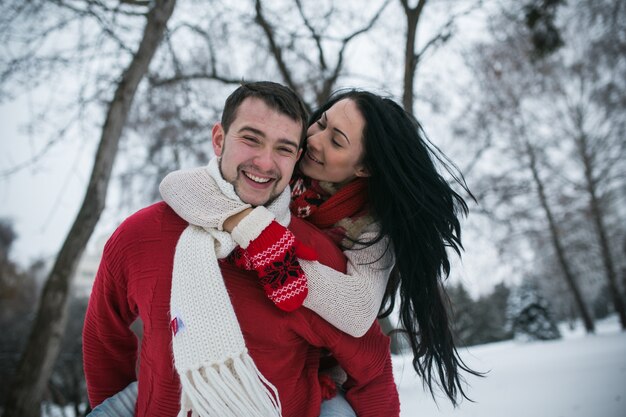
(300, 41)
(303, 44)
(555, 236)
(326, 64)
(594, 176)
(590, 125)
(42, 349)
(594, 119)
(412, 57)
(516, 105)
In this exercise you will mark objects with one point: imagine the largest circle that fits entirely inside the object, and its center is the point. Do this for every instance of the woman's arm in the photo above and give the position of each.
(195, 196)
(351, 301)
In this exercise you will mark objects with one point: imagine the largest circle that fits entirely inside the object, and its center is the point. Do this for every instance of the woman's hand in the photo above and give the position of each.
(232, 222)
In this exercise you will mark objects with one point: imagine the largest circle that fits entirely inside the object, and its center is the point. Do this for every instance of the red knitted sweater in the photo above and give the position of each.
(134, 280)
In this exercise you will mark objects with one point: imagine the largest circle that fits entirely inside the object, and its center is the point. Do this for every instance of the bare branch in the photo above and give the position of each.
(92, 10)
(330, 81)
(210, 74)
(58, 138)
(316, 36)
(207, 38)
(369, 25)
(175, 61)
(119, 9)
(143, 3)
(445, 32)
(275, 49)
(443, 36)
(486, 145)
(162, 82)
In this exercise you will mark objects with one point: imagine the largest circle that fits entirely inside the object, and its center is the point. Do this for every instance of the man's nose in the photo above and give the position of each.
(264, 160)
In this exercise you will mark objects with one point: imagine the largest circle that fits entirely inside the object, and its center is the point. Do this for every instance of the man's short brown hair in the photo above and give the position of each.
(276, 96)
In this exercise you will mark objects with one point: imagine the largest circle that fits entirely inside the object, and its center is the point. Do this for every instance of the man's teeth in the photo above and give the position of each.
(257, 179)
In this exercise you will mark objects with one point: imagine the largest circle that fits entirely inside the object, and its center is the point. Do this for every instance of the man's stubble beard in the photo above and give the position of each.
(273, 195)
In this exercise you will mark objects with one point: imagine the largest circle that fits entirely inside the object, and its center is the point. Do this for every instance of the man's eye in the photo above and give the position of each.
(286, 150)
(251, 139)
(321, 124)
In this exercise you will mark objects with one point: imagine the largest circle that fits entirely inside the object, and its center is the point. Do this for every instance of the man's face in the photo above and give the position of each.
(259, 151)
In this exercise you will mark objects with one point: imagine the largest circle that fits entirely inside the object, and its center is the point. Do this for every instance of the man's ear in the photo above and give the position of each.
(218, 138)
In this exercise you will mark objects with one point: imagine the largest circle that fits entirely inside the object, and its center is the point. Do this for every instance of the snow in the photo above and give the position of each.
(577, 376)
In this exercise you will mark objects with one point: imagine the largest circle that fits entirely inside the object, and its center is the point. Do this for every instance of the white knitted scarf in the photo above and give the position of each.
(217, 374)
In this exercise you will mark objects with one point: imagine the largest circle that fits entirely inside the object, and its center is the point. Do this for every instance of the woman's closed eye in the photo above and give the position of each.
(322, 125)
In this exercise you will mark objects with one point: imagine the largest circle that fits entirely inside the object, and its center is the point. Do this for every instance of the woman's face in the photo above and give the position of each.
(335, 146)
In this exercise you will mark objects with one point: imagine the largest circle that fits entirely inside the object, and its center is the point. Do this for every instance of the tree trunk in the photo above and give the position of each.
(556, 242)
(624, 272)
(410, 57)
(39, 356)
(598, 220)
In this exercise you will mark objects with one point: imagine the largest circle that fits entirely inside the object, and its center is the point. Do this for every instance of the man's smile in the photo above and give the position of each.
(256, 178)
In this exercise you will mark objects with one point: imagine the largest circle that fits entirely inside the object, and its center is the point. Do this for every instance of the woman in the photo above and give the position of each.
(368, 179)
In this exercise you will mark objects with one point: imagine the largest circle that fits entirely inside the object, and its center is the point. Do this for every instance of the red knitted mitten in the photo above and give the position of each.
(273, 254)
(240, 258)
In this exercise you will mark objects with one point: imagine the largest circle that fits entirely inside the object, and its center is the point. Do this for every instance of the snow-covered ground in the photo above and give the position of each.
(576, 376)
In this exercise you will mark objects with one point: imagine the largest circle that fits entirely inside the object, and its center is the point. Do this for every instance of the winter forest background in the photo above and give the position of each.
(99, 99)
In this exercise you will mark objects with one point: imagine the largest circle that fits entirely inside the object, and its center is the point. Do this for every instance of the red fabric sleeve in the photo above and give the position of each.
(109, 345)
(370, 388)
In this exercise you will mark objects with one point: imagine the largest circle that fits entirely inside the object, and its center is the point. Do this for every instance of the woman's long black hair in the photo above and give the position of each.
(419, 211)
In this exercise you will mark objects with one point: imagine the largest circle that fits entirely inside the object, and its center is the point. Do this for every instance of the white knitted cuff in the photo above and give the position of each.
(252, 225)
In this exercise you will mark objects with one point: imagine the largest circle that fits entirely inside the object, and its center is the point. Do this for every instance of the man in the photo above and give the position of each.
(159, 268)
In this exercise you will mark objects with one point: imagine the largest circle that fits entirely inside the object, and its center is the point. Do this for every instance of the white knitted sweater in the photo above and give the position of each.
(348, 301)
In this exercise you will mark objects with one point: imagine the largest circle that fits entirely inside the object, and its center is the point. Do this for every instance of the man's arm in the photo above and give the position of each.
(370, 388)
(109, 346)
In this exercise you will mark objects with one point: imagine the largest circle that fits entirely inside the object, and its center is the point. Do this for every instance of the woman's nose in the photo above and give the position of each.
(313, 141)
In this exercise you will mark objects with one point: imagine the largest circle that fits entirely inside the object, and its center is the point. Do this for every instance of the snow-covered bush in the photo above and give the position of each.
(529, 316)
